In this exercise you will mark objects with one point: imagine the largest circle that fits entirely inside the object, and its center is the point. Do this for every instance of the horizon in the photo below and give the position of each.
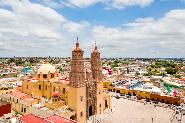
(90, 57)
(121, 29)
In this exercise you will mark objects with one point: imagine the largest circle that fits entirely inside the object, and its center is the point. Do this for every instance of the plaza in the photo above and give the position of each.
(125, 110)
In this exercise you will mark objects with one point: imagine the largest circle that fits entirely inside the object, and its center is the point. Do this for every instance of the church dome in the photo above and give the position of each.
(46, 68)
(56, 94)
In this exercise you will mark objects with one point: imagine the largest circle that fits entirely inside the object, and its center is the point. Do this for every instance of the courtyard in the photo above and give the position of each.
(125, 110)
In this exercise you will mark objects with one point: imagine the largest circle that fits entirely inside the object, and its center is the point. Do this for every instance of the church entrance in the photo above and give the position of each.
(106, 104)
(90, 111)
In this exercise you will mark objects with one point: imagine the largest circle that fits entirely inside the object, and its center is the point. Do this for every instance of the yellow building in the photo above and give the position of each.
(21, 102)
(143, 95)
(6, 90)
(82, 91)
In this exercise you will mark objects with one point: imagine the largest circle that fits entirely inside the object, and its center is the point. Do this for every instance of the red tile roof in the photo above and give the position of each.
(58, 119)
(19, 94)
(32, 119)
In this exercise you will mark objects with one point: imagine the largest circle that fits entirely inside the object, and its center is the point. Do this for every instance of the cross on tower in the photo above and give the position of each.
(77, 39)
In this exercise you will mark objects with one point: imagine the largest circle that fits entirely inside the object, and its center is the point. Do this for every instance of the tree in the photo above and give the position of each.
(177, 76)
(170, 70)
(16, 113)
(163, 74)
(146, 74)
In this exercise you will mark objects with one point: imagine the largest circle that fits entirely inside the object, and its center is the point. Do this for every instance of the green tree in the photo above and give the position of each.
(16, 113)
(170, 70)
(177, 76)
(146, 74)
(163, 74)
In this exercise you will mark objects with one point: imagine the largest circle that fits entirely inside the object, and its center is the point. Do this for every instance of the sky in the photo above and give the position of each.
(120, 28)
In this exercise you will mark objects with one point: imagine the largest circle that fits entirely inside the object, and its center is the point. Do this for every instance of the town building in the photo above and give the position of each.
(81, 92)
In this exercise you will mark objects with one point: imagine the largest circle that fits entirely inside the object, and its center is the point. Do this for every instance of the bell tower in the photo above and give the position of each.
(77, 74)
(96, 65)
(92, 85)
(77, 85)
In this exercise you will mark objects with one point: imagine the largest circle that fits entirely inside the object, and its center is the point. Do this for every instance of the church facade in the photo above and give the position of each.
(82, 91)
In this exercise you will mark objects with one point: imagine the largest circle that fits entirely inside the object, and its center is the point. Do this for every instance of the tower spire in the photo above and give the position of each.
(77, 48)
(77, 43)
(95, 48)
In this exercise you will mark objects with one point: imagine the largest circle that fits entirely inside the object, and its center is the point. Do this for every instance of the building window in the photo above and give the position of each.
(52, 76)
(27, 86)
(39, 87)
(46, 87)
(81, 114)
(38, 75)
(45, 76)
(64, 90)
(81, 98)
(24, 110)
(100, 105)
(17, 101)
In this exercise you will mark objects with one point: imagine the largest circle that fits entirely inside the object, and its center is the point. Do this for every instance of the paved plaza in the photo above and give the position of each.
(129, 111)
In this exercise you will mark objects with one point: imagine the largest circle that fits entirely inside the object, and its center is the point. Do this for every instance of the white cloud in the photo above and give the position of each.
(119, 4)
(83, 3)
(145, 37)
(32, 29)
(75, 27)
(124, 3)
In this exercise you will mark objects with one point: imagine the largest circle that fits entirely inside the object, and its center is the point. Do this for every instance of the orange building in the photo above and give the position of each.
(82, 91)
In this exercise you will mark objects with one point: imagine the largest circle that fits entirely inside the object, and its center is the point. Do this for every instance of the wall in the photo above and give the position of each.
(147, 95)
(75, 103)
(102, 96)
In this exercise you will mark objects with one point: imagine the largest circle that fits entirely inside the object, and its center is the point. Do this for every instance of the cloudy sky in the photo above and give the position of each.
(121, 28)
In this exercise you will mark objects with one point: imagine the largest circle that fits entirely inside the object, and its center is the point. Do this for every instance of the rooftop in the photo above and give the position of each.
(18, 94)
(32, 119)
(58, 119)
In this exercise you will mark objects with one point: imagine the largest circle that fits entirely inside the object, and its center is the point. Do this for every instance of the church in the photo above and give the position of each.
(82, 91)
